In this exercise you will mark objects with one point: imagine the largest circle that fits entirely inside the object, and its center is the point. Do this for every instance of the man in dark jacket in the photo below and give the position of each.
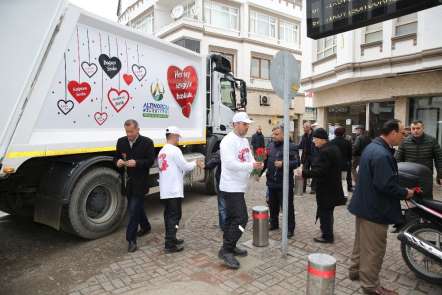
(376, 204)
(345, 148)
(329, 193)
(214, 163)
(258, 140)
(361, 142)
(274, 166)
(421, 148)
(134, 156)
(307, 147)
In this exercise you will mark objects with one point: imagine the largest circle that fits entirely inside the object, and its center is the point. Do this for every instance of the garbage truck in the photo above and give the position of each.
(69, 81)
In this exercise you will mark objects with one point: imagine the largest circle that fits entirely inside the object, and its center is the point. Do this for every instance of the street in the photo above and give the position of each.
(39, 260)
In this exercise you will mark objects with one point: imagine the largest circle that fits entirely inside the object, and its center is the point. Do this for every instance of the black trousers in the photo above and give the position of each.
(275, 203)
(326, 220)
(172, 217)
(349, 178)
(137, 217)
(236, 216)
(307, 165)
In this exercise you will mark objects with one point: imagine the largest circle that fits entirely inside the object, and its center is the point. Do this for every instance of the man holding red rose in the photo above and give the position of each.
(274, 167)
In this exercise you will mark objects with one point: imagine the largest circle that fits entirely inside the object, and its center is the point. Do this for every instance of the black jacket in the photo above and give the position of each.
(377, 194)
(143, 153)
(307, 147)
(360, 144)
(424, 150)
(258, 141)
(345, 148)
(327, 172)
(276, 153)
(215, 162)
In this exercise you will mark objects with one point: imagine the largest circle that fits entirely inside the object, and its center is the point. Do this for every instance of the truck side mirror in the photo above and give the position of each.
(243, 93)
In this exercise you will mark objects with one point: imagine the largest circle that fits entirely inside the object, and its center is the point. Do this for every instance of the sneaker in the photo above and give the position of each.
(229, 260)
(239, 252)
(174, 249)
(132, 247)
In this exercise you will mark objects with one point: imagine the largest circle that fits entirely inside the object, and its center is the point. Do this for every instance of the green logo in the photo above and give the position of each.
(157, 91)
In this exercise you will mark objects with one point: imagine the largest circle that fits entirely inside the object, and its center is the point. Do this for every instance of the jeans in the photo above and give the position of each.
(237, 217)
(275, 203)
(221, 210)
(172, 217)
(137, 217)
(326, 220)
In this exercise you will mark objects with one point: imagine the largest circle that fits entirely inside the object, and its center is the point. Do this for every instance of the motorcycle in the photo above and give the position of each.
(421, 239)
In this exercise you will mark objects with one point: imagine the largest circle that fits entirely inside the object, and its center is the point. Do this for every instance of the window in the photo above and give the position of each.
(262, 24)
(222, 16)
(144, 23)
(288, 32)
(406, 25)
(229, 56)
(228, 94)
(190, 44)
(190, 10)
(373, 33)
(260, 68)
(326, 47)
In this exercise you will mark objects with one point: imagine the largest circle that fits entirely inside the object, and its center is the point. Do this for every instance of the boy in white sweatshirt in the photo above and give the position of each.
(173, 167)
(237, 162)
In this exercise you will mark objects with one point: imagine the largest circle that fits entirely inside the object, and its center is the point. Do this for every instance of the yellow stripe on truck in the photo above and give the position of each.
(63, 152)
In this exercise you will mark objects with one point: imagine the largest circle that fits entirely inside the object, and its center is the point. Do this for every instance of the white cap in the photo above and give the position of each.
(315, 124)
(173, 130)
(241, 117)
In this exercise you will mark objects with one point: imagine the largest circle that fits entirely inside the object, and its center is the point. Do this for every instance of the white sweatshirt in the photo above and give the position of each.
(172, 166)
(236, 163)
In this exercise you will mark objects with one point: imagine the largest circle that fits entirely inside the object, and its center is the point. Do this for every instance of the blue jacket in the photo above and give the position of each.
(275, 175)
(377, 194)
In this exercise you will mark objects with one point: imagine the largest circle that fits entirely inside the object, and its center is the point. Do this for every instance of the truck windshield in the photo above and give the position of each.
(228, 94)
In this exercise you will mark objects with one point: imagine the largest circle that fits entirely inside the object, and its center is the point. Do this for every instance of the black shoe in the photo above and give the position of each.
(239, 252)
(290, 234)
(173, 249)
(323, 241)
(273, 227)
(179, 242)
(229, 260)
(132, 247)
(312, 192)
(350, 189)
(143, 232)
(353, 276)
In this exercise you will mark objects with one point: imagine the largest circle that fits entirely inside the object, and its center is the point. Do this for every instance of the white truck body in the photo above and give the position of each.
(66, 103)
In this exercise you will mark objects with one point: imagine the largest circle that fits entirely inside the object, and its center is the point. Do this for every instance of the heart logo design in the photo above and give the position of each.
(100, 117)
(79, 91)
(65, 106)
(139, 71)
(89, 68)
(183, 84)
(110, 65)
(128, 78)
(118, 98)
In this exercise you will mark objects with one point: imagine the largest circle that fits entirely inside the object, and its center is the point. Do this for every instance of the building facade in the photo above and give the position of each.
(369, 75)
(248, 32)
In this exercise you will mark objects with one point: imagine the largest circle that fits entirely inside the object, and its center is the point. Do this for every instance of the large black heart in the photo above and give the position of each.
(110, 65)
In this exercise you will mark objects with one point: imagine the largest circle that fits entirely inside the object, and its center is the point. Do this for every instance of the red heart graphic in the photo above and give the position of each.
(118, 98)
(100, 117)
(128, 78)
(79, 91)
(183, 84)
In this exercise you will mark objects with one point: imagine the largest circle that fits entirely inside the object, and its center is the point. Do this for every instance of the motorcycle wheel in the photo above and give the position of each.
(424, 267)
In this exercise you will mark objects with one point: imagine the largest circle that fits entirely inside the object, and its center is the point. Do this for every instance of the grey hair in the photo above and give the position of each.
(131, 122)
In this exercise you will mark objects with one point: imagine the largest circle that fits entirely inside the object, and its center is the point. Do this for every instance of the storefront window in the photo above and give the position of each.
(429, 111)
(380, 112)
(347, 116)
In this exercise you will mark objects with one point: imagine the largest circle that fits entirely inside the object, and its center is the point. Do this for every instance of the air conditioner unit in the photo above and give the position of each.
(264, 100)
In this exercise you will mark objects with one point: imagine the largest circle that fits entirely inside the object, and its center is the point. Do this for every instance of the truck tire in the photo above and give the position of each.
(96, 207)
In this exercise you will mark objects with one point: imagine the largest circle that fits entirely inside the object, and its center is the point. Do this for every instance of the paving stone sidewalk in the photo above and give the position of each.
(197, 270)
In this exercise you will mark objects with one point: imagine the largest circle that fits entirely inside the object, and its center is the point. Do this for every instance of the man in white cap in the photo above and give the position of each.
(173, 166)
(237, 162)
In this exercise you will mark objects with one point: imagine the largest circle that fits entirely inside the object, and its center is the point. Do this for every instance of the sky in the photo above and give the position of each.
(104, 8)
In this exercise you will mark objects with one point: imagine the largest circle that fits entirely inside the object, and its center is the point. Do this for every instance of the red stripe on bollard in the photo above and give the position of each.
(326, 274)
(260, 215)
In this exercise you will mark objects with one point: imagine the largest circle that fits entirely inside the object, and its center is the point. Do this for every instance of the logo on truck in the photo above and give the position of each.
(183, 84)
(157, 91)
(155, 110)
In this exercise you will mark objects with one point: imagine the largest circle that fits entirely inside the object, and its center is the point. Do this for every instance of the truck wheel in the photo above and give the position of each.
(97, 206)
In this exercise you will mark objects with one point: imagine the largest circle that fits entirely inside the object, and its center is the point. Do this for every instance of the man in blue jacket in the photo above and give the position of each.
(274, 167)
(376, 204)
